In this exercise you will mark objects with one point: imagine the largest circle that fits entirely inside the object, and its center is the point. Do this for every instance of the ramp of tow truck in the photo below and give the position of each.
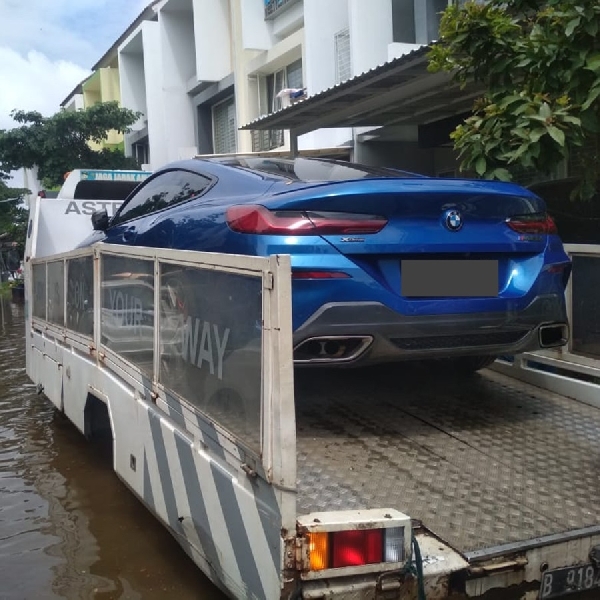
(488, 463)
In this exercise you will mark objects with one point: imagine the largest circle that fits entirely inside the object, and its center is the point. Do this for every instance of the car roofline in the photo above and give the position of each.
(215, 168)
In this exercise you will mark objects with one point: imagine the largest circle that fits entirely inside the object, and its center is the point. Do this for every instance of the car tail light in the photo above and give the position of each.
(356, 547)
(533, 224)
(259, 220)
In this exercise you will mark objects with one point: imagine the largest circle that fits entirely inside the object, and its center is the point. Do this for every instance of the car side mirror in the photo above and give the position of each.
(100, 220)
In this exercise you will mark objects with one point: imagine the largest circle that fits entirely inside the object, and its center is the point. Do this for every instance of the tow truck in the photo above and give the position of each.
(379, 483)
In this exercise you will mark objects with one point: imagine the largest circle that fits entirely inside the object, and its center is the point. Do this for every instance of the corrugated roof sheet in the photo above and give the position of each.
(417, 56)
(399, 92)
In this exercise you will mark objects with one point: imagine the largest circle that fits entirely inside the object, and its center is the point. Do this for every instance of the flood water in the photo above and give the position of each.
(68, 527)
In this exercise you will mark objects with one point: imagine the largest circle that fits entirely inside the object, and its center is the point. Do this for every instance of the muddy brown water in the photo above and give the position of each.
(68, 527)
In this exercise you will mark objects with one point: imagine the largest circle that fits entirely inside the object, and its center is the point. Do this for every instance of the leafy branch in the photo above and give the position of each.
(539, 62)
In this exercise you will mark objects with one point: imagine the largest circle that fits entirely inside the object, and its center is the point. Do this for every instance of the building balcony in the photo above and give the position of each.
(274, 8)
(264, 140)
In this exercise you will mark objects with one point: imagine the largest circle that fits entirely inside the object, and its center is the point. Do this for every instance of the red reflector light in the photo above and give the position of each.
(556, 268)
(259, 220)
(355, 548)
(537, 224)
(319, 275)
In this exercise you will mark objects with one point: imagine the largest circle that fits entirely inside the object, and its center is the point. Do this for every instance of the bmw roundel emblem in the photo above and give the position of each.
(453, 220)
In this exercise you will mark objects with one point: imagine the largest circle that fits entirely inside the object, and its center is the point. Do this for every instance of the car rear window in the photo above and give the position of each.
(89, 189)
(312, 170)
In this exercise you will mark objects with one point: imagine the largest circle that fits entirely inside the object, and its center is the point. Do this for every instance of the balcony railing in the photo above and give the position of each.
(263, 141)
(275, 7)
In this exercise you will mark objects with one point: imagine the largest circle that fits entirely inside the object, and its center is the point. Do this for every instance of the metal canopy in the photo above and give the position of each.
(399, 92)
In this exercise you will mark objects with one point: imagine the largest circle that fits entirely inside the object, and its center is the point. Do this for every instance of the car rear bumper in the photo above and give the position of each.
(371, 333)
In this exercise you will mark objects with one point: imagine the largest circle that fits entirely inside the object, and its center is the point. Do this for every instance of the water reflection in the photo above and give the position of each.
(68, 527)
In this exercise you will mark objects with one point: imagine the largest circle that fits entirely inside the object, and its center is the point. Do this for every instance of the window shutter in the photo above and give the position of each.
(343, 63)
(224, 127)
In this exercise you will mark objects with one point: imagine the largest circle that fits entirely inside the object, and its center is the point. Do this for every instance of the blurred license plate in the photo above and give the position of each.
(449, 278)
(560, 582)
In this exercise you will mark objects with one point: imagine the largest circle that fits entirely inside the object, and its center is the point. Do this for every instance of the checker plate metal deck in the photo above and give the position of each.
(483, 462)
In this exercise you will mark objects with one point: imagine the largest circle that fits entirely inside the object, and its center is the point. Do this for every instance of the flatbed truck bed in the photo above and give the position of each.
(493, 466)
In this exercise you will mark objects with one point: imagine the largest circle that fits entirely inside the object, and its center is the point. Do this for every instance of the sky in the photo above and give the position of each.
(47, 47)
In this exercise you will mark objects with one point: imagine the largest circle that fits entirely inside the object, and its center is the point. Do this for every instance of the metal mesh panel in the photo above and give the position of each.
(210, 344)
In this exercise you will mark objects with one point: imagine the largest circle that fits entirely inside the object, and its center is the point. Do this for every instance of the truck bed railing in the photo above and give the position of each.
(197, 329)
(572, 370)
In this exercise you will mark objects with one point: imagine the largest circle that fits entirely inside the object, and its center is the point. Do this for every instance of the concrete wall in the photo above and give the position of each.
(157, 133)
(76, 103)
(133, 84)
(110, 91)
(212, 39)
(289, 21)
(322, 20)
(178, 67)
(257, 34)
(109, 85)
(371, 31)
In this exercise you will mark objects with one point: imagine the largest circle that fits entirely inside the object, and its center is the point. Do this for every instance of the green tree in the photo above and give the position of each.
(13, 216)
(539, 64)
(59, 143)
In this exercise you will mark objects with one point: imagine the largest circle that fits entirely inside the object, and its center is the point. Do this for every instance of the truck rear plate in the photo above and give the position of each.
(569, 580)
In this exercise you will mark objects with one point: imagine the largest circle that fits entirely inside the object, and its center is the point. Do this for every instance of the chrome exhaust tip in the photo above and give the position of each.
(554, 335)
(331, 349)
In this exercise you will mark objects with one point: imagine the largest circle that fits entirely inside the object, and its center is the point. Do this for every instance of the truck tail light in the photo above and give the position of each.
(357, 547)
(394, 545)
(543, 224)
(260, 220)
(318, 551)
(354, 548)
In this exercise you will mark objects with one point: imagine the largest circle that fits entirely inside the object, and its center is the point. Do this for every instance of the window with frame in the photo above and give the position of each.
(288, 77)
(343, 59)
(224, 127)
(167, 189)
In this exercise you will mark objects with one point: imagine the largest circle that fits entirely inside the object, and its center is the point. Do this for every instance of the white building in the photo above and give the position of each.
(199, 69)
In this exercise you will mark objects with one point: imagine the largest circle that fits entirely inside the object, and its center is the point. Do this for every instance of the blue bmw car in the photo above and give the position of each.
(387, 265)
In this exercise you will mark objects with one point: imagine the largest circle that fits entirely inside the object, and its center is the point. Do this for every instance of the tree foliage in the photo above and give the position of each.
(539, 64)
(13, 216)
(59, 143)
